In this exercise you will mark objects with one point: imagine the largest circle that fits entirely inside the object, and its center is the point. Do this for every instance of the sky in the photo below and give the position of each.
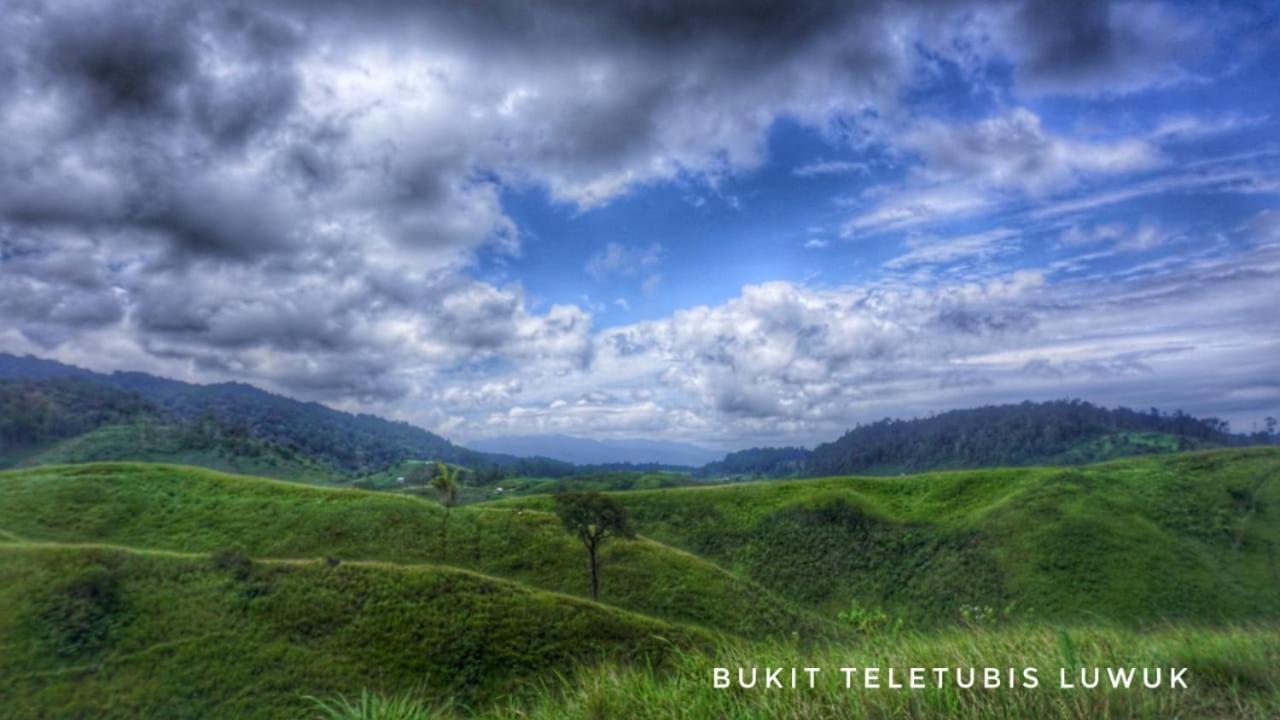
(726, 223)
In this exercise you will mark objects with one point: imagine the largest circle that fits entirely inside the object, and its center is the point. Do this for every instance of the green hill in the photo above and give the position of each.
(109, 633)
(1193, 536)
(139, 590)
(349, 442)
(195, 510)
(186, 445)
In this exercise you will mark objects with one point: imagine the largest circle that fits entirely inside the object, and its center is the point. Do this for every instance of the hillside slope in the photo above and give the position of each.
(109, 633)
(348, 441)
(1060, 432)
(1173, 536)
(1049, 433)
(191, 509)
(177, 444)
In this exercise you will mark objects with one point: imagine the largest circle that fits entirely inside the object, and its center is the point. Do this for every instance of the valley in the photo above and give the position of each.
(255, 594)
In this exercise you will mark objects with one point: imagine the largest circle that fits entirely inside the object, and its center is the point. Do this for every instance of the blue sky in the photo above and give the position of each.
(783, 220)
(704, 221)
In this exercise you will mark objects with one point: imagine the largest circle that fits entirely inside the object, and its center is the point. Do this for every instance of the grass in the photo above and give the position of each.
(163, 444)
(1231, 673)
(102, 632)
(138, 590)
(1145, 539)
(195, 510)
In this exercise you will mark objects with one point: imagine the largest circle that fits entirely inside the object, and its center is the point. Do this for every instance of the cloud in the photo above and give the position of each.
(1095, 47)
(1119, 237)
(979, 247)
(296, 194)
(1014, 151)
(831, 167)
(616, 259)
(964, 169)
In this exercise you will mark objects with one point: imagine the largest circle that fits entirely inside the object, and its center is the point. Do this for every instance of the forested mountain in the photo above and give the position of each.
(1057, 432)
(347, 441)
(763, 462)
(38, 411)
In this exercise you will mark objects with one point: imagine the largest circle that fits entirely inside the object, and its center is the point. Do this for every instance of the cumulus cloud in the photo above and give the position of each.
(783, 360)
(295, 194)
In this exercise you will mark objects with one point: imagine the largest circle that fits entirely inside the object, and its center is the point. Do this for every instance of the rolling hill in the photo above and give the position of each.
(133, 589)
(1191, 536)
(113, 633)
(187, 509)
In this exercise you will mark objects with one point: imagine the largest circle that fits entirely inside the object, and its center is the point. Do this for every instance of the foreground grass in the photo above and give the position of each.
(1231, 673)
(1190, 536)
(110, 633)
(194, 510)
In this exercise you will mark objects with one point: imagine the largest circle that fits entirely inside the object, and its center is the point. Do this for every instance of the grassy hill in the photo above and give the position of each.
(171, 444)
(1192, 536)
(195, 510)
(111, 633)
(140, 590)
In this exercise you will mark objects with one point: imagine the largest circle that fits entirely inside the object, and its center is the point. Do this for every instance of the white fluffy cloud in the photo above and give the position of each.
(294, 194)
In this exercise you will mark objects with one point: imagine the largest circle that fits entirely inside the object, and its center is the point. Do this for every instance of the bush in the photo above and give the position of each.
(78, 614)
(234, 561)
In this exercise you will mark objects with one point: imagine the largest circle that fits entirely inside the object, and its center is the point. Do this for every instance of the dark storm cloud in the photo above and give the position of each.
(225, 72)
(127, 60)
(1095, 46)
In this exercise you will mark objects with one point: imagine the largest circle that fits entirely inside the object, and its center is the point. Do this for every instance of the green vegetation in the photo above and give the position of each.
(1177, 536)
(1232, 673)
(445, 484)
(1063, 432)
(134, 589)
(350, 443)
(193, 510)
(102, 632)
(188, 444)
(593, 519)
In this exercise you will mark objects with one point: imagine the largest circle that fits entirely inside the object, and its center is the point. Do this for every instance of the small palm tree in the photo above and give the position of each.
(446, 484)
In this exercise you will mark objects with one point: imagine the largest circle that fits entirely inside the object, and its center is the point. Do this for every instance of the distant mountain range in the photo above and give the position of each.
(583, 451)
(56, 413)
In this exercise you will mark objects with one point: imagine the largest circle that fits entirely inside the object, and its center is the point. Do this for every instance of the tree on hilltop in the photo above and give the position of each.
(593, 518)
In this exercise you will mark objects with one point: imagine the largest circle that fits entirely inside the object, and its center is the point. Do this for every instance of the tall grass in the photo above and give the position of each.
(1232, 673)
(372, 706)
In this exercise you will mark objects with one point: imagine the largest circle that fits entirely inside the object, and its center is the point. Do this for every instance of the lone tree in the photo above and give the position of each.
(593, 518)
(445, 482)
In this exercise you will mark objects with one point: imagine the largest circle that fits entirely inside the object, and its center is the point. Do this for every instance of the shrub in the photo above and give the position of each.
(78, 614)
(234, 561)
